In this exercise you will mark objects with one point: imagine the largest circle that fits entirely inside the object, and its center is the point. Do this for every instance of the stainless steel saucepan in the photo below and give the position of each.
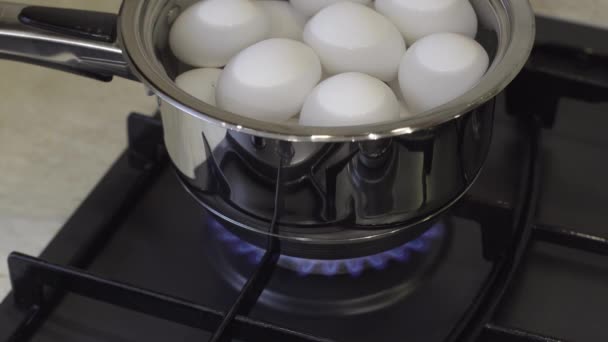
(347, 191)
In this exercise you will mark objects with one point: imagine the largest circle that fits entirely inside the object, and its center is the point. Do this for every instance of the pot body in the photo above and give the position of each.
(395, 181)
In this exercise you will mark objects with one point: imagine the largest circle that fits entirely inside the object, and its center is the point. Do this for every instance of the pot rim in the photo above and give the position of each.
(516, 30)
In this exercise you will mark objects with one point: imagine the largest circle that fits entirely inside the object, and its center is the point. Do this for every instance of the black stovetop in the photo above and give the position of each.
(523, 257)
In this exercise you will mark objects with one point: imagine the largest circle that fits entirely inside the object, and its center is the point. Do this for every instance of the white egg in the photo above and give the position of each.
(350, 99)
(440, 68)
(419, 18)
(269, 80)
(404, 112)
(311, 7)
(352, 37)
(200, 83)
(209, 33)
(285, 21)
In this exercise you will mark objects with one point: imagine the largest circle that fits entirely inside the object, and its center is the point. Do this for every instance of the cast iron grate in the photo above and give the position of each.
(33, 277)
(39, 284)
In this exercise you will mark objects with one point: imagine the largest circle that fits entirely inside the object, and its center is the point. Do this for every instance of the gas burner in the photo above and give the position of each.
(383, 279)
(354, 267)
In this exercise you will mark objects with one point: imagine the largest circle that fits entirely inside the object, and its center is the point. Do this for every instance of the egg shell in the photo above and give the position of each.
(350, 37)
(310, 7)
(439, 68)
(200, 83)
(404, 112)
(269, 80)
(285, 20)
(350, 99)
(419, 18)
(209, 33)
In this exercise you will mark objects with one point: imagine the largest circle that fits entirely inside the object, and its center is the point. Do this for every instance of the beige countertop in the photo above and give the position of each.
(59, 134)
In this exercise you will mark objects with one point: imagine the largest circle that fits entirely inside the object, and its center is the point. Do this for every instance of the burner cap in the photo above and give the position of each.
(324, 287)
(350, 266)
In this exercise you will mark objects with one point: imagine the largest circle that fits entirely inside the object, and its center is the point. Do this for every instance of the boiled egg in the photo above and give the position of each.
(209, 33)
(404, 112)
(285, 21)
(419, 18)
(269, 80)
(310, 7)
(200, 83)
(350, 37)
(440, 68)
(350, 99)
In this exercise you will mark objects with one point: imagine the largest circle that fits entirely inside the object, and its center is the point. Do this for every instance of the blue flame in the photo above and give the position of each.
(419, 245)
(354, 267)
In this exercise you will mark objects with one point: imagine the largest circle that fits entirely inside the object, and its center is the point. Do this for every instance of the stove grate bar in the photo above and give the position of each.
(31, 276)
(496, 333)
(248, 296)
(481, 312)
(571, 239)
(496, 220)
(251, 292)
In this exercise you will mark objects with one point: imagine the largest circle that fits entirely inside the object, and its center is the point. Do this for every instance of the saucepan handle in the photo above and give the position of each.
(80, 42)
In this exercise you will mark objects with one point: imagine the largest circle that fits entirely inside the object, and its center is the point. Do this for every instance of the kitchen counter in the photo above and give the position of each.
(59, 133)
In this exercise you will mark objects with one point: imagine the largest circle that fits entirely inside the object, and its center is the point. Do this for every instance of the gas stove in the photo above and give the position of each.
(522, 257)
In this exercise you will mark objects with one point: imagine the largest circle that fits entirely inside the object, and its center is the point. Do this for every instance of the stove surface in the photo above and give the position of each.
(437, 288)
(170, 251)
